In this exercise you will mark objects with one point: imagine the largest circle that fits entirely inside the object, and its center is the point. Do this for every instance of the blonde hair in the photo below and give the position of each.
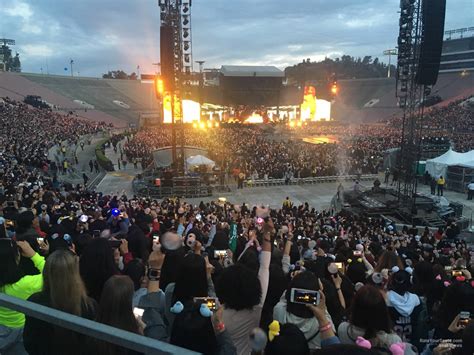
(63, 283)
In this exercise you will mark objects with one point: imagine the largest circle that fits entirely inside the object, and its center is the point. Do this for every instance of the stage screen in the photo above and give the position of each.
(312, 108)
(191, 110)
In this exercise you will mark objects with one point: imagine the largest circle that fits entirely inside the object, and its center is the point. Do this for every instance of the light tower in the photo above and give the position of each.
(176, 65)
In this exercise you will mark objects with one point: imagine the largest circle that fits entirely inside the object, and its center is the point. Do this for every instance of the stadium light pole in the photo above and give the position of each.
(201, 84)
(71, 62)
(389, 52)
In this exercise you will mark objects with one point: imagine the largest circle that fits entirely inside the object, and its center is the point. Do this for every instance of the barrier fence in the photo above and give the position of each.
(92, 329)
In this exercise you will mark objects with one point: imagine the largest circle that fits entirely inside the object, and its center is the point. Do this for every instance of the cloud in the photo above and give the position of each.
(121, 34)
(37, 50)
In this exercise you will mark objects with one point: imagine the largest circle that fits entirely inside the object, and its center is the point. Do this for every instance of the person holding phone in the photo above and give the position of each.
(14, 282)
(116, 310)
(243, 291)
(290, 310)
(61, 275)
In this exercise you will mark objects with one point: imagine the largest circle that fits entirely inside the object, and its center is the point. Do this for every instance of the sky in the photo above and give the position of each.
(103, 35)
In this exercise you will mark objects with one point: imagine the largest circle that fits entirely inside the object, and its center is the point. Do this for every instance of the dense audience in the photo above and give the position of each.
(26, 137)
(359, 149)
(219, 278)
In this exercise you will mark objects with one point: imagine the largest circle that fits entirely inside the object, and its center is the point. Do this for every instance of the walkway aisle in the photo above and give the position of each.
(120, 180)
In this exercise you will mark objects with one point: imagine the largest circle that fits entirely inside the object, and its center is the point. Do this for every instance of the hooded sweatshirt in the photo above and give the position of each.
(404, 311)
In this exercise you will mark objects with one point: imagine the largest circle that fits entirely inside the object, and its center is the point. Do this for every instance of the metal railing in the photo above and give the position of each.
(308, 180)
(92, 329)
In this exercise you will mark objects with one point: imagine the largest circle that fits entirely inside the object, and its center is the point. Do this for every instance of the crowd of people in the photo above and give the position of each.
(359, 149)
(219, 278)
(26, 137)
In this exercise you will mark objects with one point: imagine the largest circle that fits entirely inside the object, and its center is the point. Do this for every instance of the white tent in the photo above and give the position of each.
(438, 166)
(200, 160)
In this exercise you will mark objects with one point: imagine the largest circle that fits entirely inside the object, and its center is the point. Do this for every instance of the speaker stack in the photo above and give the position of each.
(166, 54)
(433, 15)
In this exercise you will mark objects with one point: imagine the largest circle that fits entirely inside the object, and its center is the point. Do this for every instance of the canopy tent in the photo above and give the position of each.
(438, 166)
(197, 160)
(468, 164)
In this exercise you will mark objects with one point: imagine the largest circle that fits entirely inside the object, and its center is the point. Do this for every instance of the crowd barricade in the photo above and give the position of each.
(131, 341)
(308, 180)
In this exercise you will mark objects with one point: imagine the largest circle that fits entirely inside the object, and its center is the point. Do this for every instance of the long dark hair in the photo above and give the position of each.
(369, 312)
(96, 266)
(171, 266)
(115, 307)
(10, 271)
(191, 280)
(388, 260)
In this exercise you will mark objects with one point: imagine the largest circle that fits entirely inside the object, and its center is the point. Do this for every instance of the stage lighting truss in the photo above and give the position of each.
(408, 92)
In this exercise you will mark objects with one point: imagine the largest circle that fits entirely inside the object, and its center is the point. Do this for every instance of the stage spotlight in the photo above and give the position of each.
(186, 45)
(334, 89)
(292, 124)
(159, 87)
(202, 125)
(194, 125)
(217, 124)
(299, 124)
(185, 9)
(185, 20)
(185, 33)
(209, 124)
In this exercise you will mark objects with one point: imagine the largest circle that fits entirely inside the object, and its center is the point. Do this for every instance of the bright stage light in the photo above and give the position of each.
(195, 125)
(191, 110)
(334, 89)
(299, 124)
(254, 118)
(292, 124)
(202, 125)
(209, 124)
(159, 87)
(217, 124)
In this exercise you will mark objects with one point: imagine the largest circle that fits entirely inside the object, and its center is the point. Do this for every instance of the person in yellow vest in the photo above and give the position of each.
(440, 184)
(287, 204)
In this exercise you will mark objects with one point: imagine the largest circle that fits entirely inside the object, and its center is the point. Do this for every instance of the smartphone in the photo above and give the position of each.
(40, 240)
(448, 268)
(114, 244)
(340, 267)
(302, 296)
(457, 273)
(220, 253)
(138, 312)
(357, 252)
(210, 301)
(198, 217)
(96, 233)
(464, 318)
